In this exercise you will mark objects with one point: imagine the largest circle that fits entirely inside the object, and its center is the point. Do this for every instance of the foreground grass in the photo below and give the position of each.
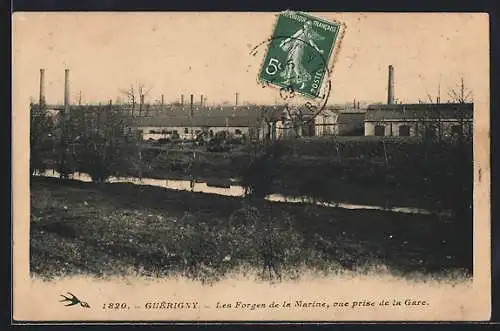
(114, 229)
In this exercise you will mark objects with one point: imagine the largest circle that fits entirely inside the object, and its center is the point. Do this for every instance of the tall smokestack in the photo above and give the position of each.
(66, 89)
(162, 99)
(42, 88)
(236, 99)
(390, 86)
(182, 99)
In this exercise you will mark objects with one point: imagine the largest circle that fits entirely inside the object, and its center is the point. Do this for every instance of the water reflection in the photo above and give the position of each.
(235, 190)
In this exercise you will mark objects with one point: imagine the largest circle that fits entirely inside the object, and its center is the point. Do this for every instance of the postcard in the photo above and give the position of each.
(250, 166)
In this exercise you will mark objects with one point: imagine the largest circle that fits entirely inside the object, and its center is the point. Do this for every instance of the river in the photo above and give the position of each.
(237, 190)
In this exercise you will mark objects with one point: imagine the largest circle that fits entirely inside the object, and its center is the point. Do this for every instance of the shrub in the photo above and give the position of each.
(98, 144)
(245, 216)
(260, 239)
(101, 158)
(262, 170)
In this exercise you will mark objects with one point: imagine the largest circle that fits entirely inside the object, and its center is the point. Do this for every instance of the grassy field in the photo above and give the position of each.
(110, 229)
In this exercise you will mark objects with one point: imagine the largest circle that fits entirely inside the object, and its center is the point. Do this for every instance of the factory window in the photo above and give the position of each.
(404, 131)
(237, 131)
(379, 130)
(186, 130)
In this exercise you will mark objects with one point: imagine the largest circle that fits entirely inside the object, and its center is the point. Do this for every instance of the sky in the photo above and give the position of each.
(209, 54)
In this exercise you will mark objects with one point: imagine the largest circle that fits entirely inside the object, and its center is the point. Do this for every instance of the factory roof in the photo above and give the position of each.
(210, 116)
(179, 115)
(381, 112)
(350, 117)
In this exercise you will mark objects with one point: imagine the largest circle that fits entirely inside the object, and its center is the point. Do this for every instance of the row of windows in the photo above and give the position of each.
(404, 130)
(186, 131)
(163, 132)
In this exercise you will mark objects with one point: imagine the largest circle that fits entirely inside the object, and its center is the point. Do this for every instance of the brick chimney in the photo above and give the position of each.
(66, 89)
(390, 86)
(191, 105)
(42, 88)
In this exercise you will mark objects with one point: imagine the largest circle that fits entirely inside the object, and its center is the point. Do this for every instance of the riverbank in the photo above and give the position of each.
(110, 229)
(389, 172)
(228, 187)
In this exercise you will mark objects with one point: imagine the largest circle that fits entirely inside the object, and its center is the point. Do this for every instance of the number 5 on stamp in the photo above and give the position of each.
(299, 53)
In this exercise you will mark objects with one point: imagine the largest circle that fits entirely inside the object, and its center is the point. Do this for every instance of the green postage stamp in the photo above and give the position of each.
(299, 52)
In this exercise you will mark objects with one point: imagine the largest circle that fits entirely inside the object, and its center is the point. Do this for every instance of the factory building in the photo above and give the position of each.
(417, 120)
(249, 121)
(434, 120)
(340, 121)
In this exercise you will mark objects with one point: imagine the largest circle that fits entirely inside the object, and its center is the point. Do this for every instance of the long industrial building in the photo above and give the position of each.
(261, 122)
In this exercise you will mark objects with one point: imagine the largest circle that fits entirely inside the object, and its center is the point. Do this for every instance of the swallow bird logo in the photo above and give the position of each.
(73, 300)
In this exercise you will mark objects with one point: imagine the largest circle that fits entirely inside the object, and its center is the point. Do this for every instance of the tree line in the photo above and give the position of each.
(92, 139)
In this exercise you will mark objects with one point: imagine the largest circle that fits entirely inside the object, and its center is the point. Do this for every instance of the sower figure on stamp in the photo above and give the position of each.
(294, 72)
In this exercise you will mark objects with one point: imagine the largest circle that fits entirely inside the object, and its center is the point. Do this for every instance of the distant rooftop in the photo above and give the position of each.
(211, 116)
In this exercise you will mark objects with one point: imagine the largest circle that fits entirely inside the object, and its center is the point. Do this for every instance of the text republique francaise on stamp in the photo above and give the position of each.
(299, 53)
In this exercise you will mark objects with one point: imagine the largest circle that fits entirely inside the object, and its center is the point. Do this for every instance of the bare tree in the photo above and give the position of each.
(454, 191)
(136, 94)
(461, 94)
(462, 191)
